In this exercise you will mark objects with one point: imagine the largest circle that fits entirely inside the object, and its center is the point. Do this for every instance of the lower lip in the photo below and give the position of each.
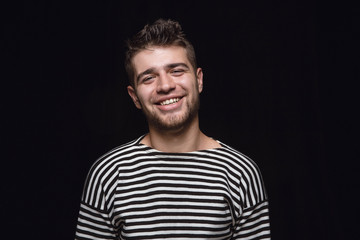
(170, 107)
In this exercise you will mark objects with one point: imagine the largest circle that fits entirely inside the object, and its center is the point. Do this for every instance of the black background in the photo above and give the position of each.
(279, 85)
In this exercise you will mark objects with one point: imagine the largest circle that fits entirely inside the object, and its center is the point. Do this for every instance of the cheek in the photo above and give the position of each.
(144, 94)
(187, 84)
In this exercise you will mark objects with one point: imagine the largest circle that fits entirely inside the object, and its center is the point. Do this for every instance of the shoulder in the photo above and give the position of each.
(107, 164)
(236, 156)
(117, 154)
(104, 171)
(249, 172)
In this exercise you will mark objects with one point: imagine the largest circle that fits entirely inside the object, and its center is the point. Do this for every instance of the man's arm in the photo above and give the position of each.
(254, 222)
(96, 220)
(94, 224)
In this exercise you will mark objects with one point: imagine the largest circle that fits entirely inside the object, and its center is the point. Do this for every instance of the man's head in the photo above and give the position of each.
(164, 80)
(162, 33)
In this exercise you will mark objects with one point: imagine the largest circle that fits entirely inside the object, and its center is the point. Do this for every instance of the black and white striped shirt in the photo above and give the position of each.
(137, 192)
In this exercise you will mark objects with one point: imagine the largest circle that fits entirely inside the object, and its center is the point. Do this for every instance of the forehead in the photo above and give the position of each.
(157, 57)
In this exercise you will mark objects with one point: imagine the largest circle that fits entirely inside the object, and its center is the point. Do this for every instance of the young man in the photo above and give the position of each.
(174, 182)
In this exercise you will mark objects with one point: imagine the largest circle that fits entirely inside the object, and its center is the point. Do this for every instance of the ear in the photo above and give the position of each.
(131, 92)
(199, 77)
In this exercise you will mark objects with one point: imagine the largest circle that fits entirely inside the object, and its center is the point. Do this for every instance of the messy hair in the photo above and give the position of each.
(162, 33)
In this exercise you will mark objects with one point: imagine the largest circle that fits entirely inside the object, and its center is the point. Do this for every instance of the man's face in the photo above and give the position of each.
(166, 87)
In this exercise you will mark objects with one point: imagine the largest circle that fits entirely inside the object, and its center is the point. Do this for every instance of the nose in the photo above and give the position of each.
(165, 84)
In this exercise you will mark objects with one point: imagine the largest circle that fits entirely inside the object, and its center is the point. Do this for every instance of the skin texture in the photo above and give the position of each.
(161, 74)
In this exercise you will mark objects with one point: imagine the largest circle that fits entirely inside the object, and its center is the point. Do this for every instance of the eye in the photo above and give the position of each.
(177, 71)
(147, 79)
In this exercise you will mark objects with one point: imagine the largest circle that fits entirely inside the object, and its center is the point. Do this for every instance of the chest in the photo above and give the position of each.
(172, 199)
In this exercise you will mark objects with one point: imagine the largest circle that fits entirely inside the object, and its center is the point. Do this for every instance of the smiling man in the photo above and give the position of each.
(167, 88)
(173, 182)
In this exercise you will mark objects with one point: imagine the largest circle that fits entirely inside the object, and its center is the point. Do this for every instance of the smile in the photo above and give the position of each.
(169, 101)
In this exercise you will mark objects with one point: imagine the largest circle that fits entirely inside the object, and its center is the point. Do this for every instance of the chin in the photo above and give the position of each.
(171, 124)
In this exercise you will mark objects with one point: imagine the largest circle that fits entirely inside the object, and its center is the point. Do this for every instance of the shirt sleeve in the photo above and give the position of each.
(95, 220)
(254, 223)
(94, 224)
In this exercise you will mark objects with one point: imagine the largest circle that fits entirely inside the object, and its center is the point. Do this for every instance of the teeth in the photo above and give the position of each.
(170, 101)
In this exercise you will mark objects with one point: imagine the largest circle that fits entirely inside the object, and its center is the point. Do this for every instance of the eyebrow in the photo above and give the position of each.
(168, 66)
(147, 71)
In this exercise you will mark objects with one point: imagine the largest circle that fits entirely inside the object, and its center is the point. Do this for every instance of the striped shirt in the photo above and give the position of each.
(137, 192)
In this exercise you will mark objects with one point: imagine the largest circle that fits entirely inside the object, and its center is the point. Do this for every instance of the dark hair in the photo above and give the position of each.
(160, 33)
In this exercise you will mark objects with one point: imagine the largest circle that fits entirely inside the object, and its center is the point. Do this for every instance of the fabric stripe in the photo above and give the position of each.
(136, 192)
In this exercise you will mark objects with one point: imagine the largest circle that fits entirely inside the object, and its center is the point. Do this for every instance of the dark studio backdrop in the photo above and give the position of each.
(279, 86)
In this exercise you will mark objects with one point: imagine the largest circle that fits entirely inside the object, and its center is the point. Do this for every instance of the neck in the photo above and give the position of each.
(186, 139)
